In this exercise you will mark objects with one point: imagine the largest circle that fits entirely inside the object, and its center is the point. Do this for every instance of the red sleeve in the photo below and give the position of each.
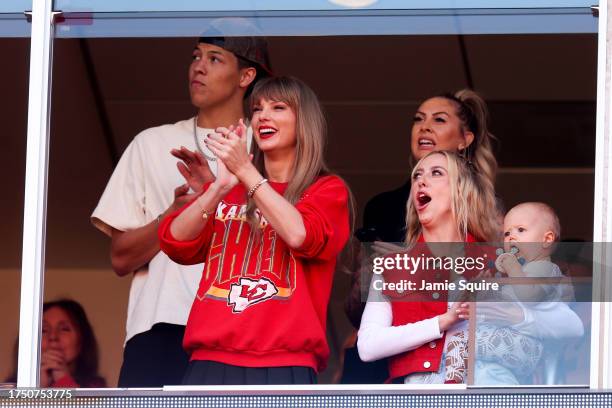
(185, 252)
(65, 382)
(325, 212)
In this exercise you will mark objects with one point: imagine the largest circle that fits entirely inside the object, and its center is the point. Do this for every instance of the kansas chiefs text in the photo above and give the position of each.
(243, 266)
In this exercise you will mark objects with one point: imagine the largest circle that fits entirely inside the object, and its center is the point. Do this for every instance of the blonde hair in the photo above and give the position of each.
(311, 132)
(473, 202)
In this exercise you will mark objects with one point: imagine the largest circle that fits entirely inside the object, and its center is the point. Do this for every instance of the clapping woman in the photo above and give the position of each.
(269, 231)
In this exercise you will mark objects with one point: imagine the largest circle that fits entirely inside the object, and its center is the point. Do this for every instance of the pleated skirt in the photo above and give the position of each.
(203, 372)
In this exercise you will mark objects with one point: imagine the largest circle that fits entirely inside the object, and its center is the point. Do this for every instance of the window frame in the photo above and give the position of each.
(37, 155)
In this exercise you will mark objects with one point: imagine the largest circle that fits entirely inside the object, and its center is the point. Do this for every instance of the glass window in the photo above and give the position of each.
(330, 23)
(548, 347)
(15, 6)
(13, 21)
(117, 74)
(315, 5)
(15, 49)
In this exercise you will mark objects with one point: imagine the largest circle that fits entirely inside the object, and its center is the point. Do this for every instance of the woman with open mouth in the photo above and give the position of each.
(424, 334)
(269, 231)
(426, 340)
(455, 122)
(459, 123)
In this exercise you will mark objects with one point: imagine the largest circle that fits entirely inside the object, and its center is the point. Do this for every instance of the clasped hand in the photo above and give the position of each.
(53, 367)
(194, 168)
(230, 147)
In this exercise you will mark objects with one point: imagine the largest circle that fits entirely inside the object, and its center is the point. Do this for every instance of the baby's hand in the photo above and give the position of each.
(458, 311)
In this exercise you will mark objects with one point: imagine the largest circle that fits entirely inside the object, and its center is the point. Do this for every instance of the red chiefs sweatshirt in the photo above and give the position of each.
(259, 303)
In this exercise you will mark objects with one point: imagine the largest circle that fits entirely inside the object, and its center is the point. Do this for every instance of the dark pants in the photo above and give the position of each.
(356, 371)
(202, 372)
(154, 358)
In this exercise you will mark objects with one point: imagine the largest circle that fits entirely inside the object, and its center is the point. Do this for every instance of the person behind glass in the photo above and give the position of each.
(69, 349)
(456, 122)
(427, 341)
(505, 355)
(269, 231)
(145, 187)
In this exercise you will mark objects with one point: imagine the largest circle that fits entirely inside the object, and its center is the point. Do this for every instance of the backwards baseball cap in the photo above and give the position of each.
(251, 49)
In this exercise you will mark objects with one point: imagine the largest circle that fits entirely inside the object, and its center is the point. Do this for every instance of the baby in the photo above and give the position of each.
(530, 232)
(504, 354)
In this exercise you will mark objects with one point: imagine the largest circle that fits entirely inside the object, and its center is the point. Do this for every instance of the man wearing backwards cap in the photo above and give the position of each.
(145, 187)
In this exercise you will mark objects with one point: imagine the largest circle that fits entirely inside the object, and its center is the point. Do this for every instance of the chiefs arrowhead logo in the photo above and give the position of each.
(247, 292)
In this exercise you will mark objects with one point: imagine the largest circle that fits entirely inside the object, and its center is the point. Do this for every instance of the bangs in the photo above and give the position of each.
(274, 89)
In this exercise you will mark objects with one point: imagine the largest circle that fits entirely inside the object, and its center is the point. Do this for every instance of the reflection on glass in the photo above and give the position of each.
(536, 330)
(523, 330)
(281, 5)
(13, 21)
(371, 87)
(393, 22)
(15, 6)
(547, 348)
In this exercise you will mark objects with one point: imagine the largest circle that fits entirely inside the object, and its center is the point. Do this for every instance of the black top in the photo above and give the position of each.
(384, 217)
